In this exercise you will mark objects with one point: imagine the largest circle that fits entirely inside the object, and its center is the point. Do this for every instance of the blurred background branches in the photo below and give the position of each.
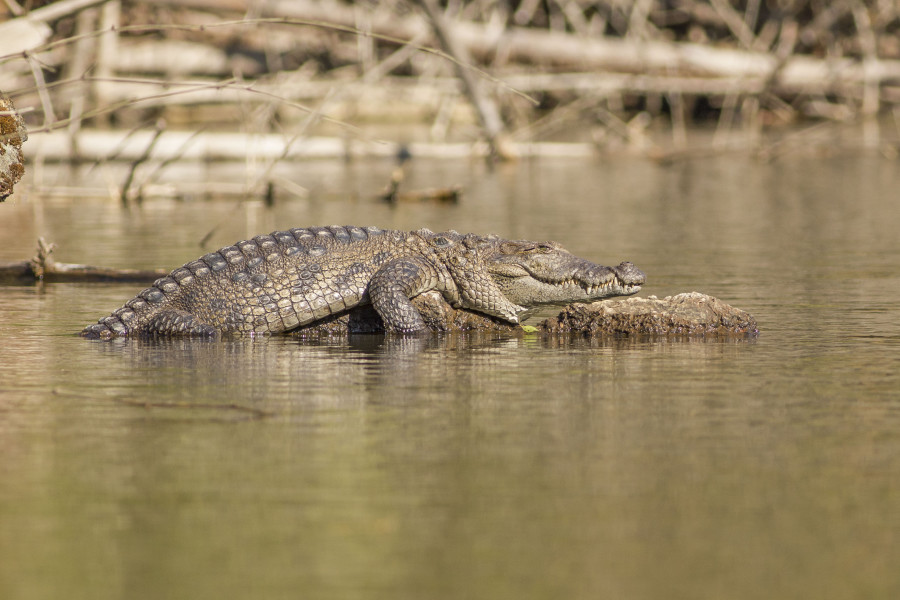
(598, 75)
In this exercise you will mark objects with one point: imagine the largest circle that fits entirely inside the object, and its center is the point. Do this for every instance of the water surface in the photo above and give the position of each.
(473, 465)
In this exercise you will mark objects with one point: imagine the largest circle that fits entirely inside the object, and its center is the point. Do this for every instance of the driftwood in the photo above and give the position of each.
(43, 268)
(393, 195)
(98, 145)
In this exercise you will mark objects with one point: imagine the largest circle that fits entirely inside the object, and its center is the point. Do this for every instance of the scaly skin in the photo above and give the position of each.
(277, 282)
(536, 273)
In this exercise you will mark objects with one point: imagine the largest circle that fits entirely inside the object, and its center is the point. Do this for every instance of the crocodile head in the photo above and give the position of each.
(534, 273)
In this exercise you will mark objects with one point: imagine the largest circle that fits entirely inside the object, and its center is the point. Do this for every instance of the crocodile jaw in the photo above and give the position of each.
(523, 286)
(530, 291)
(574, 290)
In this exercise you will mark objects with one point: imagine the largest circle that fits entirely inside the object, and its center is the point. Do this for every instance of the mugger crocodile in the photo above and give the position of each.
(278, 282)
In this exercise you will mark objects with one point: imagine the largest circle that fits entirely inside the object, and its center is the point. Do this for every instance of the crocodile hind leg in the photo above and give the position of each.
(393, 285)
(172, 321)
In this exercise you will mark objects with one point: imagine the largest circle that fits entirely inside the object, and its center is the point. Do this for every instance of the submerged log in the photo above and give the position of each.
(691, 313)
(688, 314)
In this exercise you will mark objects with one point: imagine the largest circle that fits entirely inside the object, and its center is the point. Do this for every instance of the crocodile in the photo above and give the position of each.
(279, 282)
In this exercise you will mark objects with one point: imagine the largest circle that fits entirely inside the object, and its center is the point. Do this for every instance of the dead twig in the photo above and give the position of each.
(493, 126)
(42, 267)
(154, 28)
(148, 150)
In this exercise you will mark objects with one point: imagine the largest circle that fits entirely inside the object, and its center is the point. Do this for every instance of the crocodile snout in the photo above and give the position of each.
(629, 274)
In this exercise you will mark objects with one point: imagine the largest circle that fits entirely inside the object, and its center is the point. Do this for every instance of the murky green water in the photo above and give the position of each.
(474, 466)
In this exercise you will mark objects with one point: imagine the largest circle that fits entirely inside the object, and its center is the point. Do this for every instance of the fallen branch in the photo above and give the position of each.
(393, 195)
(488, 113)
(145, 155)
(43, 268)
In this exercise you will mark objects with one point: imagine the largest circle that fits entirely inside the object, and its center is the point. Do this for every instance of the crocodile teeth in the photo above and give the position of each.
(592, 288)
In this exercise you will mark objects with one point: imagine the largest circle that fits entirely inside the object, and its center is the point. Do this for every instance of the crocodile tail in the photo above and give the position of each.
(107, 327)
(164, 322)
(134, 316)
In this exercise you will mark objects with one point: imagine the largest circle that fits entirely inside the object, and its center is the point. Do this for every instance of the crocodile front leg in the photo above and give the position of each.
(478, 291)
(393, 285)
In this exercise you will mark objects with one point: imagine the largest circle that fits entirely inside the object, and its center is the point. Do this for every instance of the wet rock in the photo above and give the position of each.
(12, 134)
(690, 314)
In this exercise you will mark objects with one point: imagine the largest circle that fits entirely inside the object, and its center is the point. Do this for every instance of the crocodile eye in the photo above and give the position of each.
(440, 241)
(544, 248)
